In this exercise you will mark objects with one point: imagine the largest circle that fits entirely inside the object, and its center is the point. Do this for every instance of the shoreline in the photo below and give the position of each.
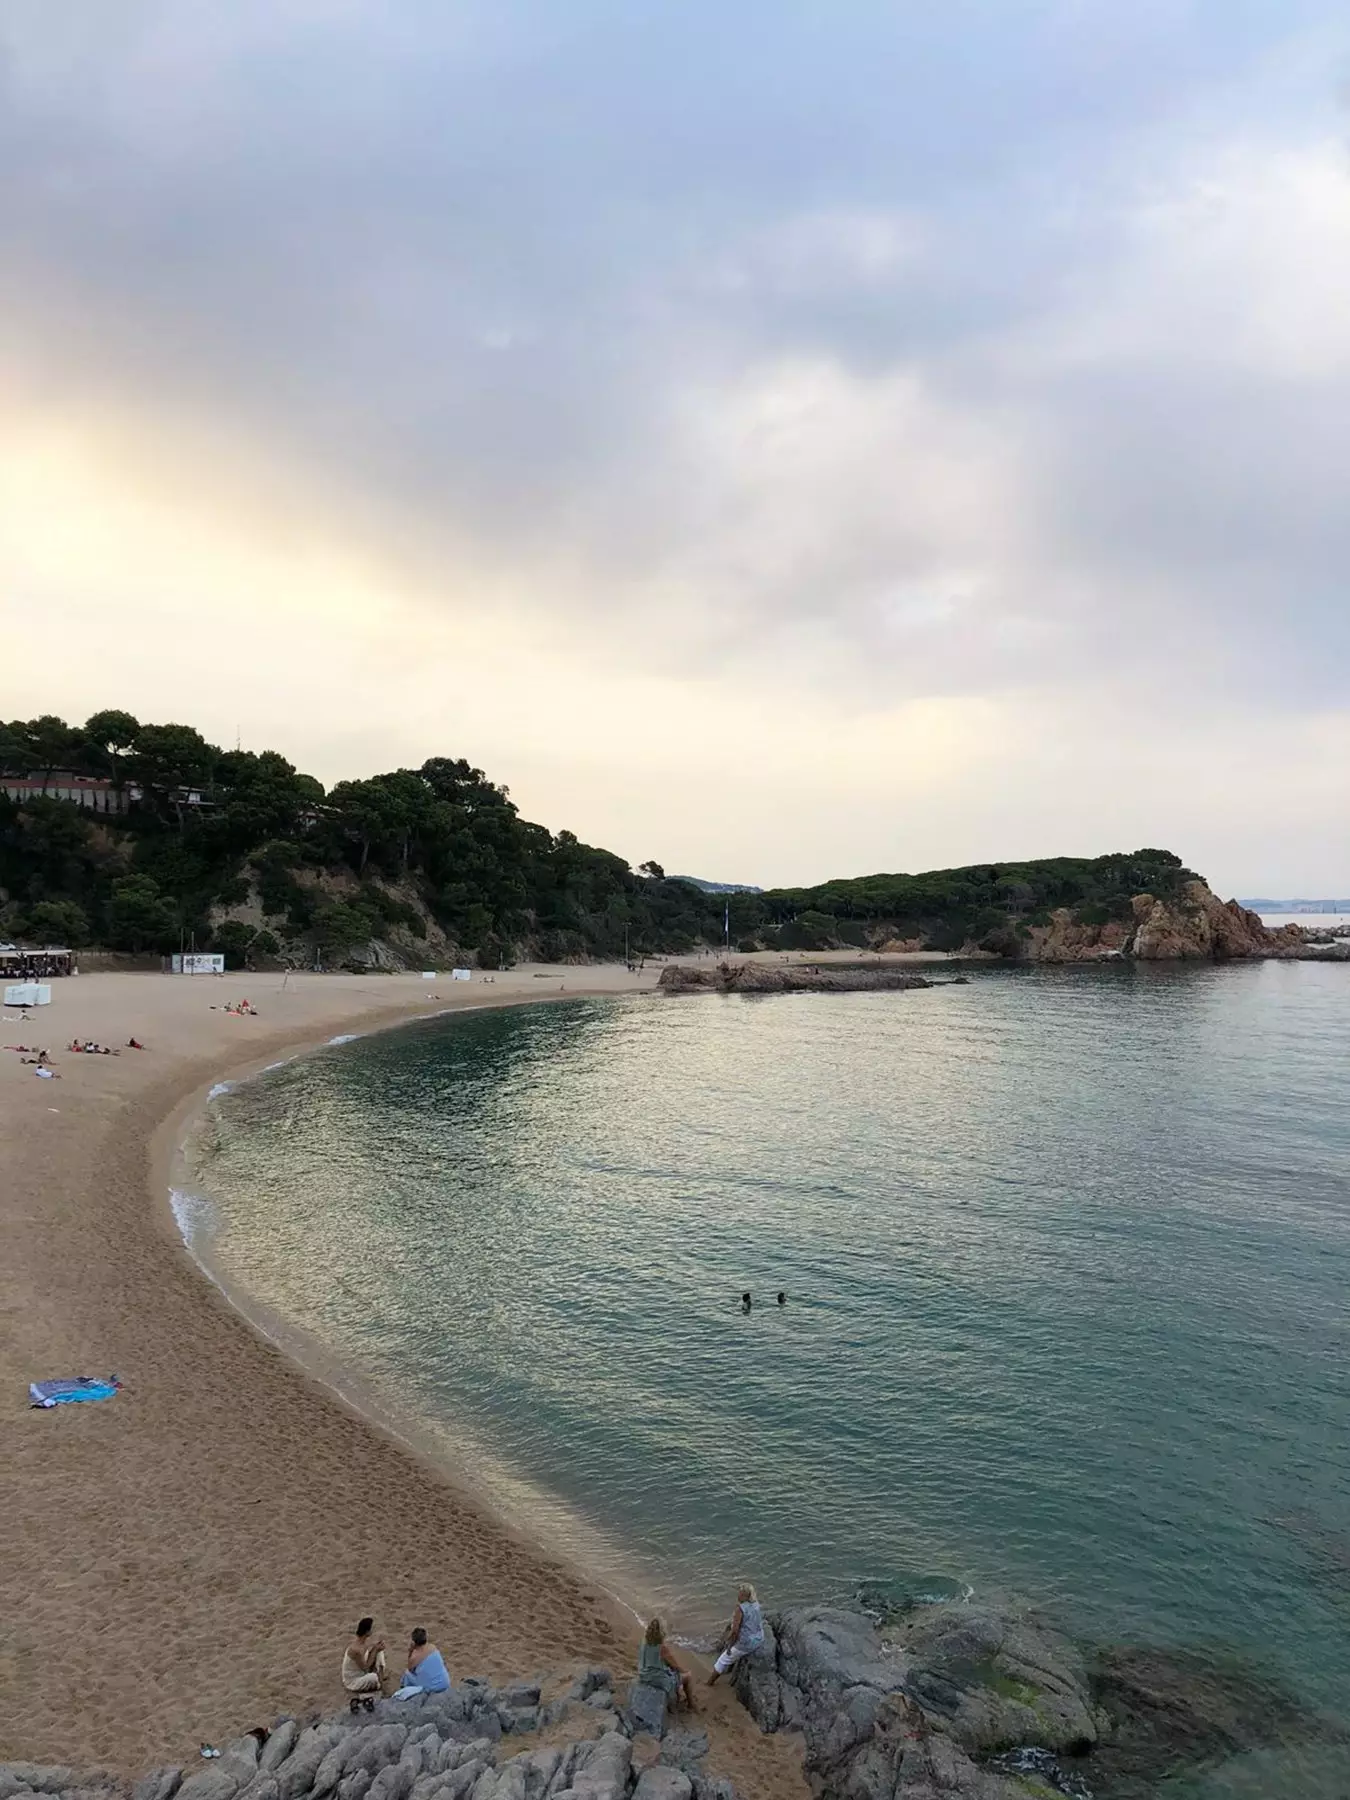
(477, 1476)
(192, 1553)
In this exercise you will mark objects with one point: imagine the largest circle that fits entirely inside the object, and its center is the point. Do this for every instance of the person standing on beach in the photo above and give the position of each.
(363, 1666)
(744, 1634)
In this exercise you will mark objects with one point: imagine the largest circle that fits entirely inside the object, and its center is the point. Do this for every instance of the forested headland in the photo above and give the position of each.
(191, 845)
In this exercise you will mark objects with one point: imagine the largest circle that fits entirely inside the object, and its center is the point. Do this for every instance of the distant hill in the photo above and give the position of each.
(147, 838)
(718, 887)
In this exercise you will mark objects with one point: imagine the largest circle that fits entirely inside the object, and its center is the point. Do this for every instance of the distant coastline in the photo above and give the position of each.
(1265, 906)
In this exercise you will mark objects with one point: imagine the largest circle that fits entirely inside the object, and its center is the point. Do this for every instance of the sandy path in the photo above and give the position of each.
(185, 1561)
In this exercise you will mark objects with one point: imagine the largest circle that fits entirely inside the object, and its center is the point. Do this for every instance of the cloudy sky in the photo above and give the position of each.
(782, 439)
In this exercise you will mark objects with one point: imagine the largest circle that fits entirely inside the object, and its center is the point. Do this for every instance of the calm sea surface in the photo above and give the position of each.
(1067, 1255)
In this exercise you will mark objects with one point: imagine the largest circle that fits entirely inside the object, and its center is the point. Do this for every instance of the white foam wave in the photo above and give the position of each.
(346, 1037)
(221, 1087)
(268, 1067)
(194, 1215)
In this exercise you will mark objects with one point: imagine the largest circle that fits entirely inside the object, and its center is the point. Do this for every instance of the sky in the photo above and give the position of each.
(784, 440)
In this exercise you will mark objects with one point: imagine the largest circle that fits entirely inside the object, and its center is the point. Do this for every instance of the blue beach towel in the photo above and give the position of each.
(64, 1393)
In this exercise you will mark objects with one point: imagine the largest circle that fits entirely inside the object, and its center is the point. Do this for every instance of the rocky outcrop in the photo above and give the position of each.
(980, 1703)
(1191, 926)
(1200, 926)
(1068, 939)
(919, 1712)
(787, 978)
(433, 1747)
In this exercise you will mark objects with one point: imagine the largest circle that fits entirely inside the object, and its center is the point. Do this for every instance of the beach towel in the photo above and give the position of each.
(81, 1387)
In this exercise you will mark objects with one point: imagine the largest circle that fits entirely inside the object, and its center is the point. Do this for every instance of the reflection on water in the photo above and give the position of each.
(1066, 1257)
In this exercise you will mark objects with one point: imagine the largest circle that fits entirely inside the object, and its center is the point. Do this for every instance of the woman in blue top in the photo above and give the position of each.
(427, 1673)
(744, 1634)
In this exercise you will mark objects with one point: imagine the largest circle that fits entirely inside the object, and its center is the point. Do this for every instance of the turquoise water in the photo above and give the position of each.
(1066, 1255)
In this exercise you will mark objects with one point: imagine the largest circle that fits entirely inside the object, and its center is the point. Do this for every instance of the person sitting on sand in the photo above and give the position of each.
(427, 1673)
(744, 1634)
(658, 1668)
(363, 1666)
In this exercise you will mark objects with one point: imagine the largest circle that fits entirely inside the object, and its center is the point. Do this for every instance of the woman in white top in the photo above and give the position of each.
(744, 1634)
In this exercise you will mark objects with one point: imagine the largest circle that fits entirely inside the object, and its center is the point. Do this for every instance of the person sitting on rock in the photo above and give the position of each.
(363, 1667)
(744, 1634)
(427, 1673)
(658, 1668)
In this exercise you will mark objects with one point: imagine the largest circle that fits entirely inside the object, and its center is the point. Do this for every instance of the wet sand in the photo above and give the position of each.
(185, 1561)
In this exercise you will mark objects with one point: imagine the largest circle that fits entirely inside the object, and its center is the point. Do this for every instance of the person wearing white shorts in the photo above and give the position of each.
(744, 1634)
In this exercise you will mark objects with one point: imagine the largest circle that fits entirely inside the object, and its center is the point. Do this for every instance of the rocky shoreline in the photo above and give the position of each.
(980, 1703)
(1192, 926)
(958, 1700)
(770, 978)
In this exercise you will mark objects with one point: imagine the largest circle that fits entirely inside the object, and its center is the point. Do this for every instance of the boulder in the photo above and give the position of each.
(519, 1719)
(662, 1783)
(35, 1778)
(464, 1779)
(562, 1776)
(159, 1784)
(602, 1768)
(507, 1783)
(755, 1681)
(999, 1679)
(392, 1782)
(646, 1708)
(519, 1694)
(277, 1748)
(296, 1775)
(684, 1749)
(588, 1682)
(212, 1782)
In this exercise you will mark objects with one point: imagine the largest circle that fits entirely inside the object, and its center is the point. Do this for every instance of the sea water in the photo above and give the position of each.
(1066, 1255)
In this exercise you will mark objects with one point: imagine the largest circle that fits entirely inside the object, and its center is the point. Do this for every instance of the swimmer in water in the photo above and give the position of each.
(745, 1302)
(782, 1298)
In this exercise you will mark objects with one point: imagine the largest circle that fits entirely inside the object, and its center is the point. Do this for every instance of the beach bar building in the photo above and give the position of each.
(20, 964)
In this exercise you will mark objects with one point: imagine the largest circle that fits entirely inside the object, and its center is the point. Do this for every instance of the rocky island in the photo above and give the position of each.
(789, 978)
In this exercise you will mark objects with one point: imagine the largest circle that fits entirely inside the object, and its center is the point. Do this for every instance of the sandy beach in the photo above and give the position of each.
(185, 1561)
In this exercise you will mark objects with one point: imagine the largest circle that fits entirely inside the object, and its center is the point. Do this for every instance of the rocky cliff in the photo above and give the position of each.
(1192, 926)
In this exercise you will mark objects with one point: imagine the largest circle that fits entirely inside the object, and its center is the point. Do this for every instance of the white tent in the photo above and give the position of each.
(28, 993)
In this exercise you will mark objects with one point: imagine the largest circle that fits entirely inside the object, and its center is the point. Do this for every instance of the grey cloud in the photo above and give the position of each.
(487, 262)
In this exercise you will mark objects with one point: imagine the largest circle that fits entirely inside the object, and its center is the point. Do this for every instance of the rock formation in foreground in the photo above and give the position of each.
(958, 1701)
(433, 1747)
(983, 1704)
(779, 978)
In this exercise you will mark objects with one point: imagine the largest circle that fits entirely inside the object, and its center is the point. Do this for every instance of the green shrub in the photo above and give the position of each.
(62, 922)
